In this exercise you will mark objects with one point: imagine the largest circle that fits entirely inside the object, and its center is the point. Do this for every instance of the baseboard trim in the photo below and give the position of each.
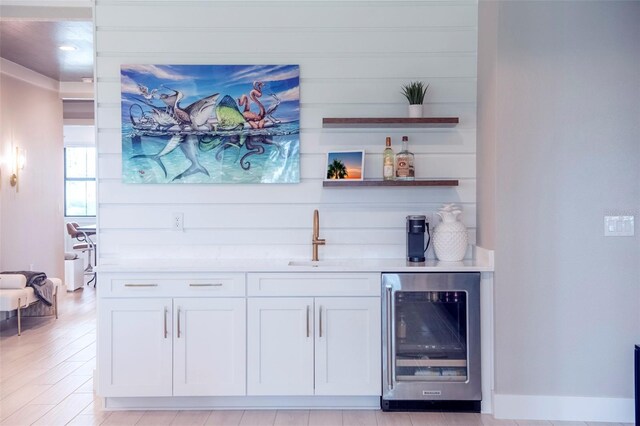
(567, 408)
(242, 403)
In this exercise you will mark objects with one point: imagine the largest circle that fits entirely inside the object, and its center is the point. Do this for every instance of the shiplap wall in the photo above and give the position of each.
(353, 57)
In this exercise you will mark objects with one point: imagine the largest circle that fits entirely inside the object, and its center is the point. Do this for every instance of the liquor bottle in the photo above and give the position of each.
(402, 328)
(388, 159)
(404, 162)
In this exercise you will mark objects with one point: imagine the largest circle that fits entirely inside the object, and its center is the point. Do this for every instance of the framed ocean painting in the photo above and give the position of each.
(210, 123)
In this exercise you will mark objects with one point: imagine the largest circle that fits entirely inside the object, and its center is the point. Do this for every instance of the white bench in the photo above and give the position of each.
(12, 299)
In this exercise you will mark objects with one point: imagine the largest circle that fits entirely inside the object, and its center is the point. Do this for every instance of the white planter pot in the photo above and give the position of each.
(415, 111)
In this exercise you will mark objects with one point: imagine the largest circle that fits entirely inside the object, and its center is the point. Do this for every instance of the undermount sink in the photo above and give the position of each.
(319, 263)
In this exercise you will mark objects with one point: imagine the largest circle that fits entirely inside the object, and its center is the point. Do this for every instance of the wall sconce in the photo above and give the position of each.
(19, 161)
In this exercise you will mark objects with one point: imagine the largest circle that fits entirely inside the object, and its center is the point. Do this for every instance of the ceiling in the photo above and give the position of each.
(35, 45)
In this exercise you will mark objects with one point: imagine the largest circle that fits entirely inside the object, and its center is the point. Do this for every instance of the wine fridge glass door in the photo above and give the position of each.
(430, 336)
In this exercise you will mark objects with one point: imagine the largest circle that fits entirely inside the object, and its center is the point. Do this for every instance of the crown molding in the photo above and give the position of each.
(19, 72)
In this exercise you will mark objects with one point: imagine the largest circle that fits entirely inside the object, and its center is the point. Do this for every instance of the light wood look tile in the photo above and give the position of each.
(427, 419)
(462, 419)
(225, 418)
(123, 418)
(157, 418)
(66, 410)
(488, 420)
(325, 417)
(533, 423)
(65, 387)
(88, 419)
(20, 398)
(14, 383)
(359, 418)
(291, 418)
(257, 418)
(27, 415)
(393, 419)
(191, 418)
(57, 373)
(564, 423)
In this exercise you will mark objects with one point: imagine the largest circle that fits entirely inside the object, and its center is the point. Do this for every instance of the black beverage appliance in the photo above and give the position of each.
(416, 227)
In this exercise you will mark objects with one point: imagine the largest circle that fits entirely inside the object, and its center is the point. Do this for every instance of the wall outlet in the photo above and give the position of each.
(619, 226)
(177, 222)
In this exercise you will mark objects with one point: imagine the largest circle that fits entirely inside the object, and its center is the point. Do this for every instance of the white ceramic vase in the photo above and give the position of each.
(415, 111)
(450, 238)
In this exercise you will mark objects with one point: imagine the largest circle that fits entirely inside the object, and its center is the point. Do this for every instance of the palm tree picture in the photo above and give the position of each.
(337, 170)
(345, 165)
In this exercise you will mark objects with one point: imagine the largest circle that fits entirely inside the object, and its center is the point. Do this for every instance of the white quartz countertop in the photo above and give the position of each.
(482, 262)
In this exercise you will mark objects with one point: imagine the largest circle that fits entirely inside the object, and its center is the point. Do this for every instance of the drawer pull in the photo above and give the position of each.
(141, 285)
(205, 285)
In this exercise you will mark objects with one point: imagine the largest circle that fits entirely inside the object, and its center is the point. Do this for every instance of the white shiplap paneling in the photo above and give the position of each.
(353, 56)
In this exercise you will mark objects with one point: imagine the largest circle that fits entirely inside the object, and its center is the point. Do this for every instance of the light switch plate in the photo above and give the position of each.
(619, 226)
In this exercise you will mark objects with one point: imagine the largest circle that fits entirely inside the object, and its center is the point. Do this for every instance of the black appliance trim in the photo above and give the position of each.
(434, 406)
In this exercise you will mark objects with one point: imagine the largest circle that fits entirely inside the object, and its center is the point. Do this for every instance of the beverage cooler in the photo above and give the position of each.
(431, 342)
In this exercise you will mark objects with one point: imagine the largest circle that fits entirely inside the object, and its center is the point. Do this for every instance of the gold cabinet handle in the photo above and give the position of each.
(308, 329)
(141, 285)
(166, 332)
(178, 322)
(320, 321)
(205, 285)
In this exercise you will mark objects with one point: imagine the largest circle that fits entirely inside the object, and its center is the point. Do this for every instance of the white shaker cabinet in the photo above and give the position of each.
(347, 346)
(138, 335)
(323, 345)
(171, 334)
(209, 347)
(280, 346)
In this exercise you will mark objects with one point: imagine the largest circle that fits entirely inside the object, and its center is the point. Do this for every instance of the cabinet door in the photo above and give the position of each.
(209, 347)
(348, 346)
(280, 346)
(135, 347)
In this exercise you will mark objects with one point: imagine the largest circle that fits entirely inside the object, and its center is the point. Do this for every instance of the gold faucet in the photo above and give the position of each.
(315, 241)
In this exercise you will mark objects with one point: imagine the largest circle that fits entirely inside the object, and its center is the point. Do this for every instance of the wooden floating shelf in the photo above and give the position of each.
(379, 182)
(390, 122)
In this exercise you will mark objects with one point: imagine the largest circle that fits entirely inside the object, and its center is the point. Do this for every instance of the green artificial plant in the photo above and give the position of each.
(415, 92)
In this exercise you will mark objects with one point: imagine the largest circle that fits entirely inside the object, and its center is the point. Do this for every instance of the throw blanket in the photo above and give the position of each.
(42, 287)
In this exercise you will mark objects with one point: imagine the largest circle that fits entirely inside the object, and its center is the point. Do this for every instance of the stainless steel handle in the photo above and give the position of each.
(205, 285)
(166, 332)
(178, 322)
(308, 329)
(320, 321)
(389, 338)
(141, 285)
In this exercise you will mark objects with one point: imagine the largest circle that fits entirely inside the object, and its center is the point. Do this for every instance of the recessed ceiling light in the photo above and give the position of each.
(67, 48)
(87, 80)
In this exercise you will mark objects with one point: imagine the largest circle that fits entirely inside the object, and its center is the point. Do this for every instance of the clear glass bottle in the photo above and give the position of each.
(404, 162)
(388, 158)
(402, 328)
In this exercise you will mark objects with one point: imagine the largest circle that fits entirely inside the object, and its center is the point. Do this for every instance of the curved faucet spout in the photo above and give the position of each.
(315, 239)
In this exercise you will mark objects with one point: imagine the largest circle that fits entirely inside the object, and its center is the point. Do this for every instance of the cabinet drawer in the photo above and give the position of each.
(313, 284)
(173, 285)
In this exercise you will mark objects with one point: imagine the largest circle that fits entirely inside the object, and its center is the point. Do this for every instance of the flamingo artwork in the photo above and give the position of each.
(256, 121)
(210, 123)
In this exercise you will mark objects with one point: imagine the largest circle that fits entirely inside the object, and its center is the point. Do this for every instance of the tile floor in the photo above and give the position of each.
(46, 379)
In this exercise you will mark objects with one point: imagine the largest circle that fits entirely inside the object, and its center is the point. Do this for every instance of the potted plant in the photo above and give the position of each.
(415, 92)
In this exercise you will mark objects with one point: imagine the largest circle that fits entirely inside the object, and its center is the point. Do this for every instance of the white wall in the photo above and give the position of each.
(354, 56)
(566, 106)
(31, 219)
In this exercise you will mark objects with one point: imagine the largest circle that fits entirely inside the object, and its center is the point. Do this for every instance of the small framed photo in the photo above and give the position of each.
(345, 165)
